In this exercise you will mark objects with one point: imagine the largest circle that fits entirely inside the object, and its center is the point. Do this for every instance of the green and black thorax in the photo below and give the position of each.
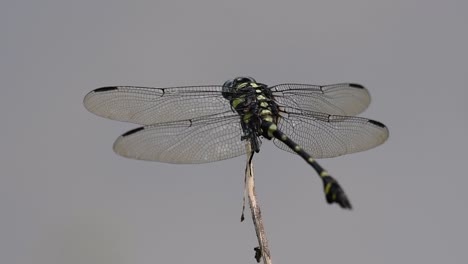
(255, 104)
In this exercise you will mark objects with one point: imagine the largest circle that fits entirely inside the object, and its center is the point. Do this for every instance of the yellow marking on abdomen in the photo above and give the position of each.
(271, 129)
(297, 148)
(324, 174)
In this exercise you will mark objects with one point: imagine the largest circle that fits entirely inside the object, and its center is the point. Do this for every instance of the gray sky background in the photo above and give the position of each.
(65, 197)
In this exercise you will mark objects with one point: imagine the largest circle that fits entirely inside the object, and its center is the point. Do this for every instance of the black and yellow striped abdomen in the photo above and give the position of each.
(333, 191)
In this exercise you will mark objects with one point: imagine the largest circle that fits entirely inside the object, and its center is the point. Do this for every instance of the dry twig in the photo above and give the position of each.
(262, 251)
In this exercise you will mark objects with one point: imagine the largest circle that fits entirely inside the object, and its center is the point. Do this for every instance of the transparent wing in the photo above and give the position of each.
(326, 136)
(189, 141)
(347, 99)
(147, 105)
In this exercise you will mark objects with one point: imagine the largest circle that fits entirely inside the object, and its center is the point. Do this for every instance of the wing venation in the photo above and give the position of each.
(147, 105)
(326, 136)
(185, 142)
(347, 99)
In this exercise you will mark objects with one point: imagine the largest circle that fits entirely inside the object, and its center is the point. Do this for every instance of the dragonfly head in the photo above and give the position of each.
(231, 86)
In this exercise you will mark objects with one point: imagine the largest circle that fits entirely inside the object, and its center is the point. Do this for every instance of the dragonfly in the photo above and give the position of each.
(207, 123)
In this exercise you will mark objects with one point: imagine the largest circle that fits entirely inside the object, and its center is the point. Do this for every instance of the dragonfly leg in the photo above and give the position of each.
(333, 191)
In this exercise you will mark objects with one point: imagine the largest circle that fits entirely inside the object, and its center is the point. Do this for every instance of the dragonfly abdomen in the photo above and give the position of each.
(333, 191)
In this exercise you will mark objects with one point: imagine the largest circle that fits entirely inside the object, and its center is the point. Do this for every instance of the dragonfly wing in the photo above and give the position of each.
(347, 99)
(189, 141)
(147, 105)
(326, 136)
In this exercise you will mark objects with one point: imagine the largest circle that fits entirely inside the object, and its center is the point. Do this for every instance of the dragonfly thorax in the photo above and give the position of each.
(255, 105)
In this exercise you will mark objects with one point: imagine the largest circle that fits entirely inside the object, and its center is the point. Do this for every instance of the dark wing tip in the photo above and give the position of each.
(377, 123)
(93, 92)
(105, 89)
(133, 131)
(356, 85)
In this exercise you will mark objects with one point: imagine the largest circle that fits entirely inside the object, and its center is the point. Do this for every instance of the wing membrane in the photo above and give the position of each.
(326, 136)
(347, 99)
(147, 105)
(189, 141)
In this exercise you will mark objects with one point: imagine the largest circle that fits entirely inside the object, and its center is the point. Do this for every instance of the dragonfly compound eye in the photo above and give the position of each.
(240, 80)
(228, 89)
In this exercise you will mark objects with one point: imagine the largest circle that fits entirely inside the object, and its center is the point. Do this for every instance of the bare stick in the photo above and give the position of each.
(262, 251)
